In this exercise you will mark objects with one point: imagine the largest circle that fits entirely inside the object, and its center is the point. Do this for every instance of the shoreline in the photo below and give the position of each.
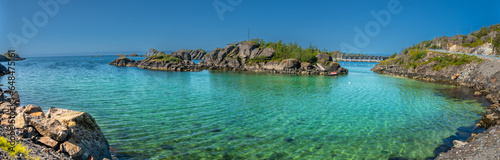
(480, 77)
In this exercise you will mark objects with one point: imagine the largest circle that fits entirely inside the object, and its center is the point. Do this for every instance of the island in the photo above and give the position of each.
(252, 56)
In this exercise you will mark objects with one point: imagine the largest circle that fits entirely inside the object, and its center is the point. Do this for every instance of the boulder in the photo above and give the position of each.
(255, 53)
(153, 52)
(290, 63)
(458, 144)
(268, 53)
(50, 128)
(84, 131)
(470, 39)
(323, 58)
(33, 110)
(305, 66)
(72, 149)
(246, 48)
(20, 121)
(47, 141)
(122, 62)
(182, 54)
(233, 63)
(198, 54)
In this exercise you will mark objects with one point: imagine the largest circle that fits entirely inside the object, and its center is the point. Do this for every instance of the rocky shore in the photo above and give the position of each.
(56, 134)
(480, 74)
(246, 56)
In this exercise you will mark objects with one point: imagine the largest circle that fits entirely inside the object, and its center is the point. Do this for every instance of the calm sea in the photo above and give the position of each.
(148, 114)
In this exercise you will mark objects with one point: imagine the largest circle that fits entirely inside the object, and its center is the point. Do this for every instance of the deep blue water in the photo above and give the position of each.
(148, 114)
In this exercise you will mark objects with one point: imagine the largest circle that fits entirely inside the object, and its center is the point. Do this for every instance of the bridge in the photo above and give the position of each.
(359, 58)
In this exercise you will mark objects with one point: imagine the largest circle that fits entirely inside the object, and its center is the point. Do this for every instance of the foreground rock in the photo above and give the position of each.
(71, 132)
(485, 146)
(246, 56)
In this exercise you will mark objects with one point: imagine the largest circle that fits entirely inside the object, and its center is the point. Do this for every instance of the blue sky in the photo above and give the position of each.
(83, 27)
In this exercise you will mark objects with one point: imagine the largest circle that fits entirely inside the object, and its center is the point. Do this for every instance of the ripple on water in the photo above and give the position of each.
(218, 115)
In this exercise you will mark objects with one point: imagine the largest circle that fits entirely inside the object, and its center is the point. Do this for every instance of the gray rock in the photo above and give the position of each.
(182, 54)
(50, 128)
(83, 130)
(323, 58)
(246, 48)
(290, 63)
(268, 53)
(233, 63)
(122, 62)
(470, 39)
(153, 52)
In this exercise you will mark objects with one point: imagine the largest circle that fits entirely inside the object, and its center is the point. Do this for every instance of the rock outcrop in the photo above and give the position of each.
(153, 52)
(74, 133)
(198, 54)
(161, 62)
(479, 42)
(246, 56)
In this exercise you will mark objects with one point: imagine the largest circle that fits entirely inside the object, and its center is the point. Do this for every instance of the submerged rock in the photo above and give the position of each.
(288, 139)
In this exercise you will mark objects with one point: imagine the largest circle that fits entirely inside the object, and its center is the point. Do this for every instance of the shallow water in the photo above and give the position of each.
(148, 114)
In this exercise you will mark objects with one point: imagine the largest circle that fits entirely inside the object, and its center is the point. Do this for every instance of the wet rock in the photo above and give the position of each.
(458, 144)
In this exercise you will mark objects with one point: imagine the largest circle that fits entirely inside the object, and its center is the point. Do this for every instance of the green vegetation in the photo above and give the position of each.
(435, 47)
(19, 148)
(168, 58)
(446, 60)
(496, 42)
(475, 44)
(393, 55)
(289, 51)
(417, 54)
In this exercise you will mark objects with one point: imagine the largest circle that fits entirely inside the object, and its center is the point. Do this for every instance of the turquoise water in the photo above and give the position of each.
(149, 114)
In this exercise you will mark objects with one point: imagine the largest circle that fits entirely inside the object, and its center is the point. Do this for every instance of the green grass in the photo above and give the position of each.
(475, 44)
(417, 54)
(19, 148)
(447, 60)
(168, 58)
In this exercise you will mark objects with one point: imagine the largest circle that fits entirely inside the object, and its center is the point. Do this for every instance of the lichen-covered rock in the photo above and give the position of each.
(50, 128)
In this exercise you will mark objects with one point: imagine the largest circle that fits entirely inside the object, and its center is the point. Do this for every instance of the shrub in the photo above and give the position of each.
(416, 54)
(290, 51)
(447, 60)
(19, 148)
